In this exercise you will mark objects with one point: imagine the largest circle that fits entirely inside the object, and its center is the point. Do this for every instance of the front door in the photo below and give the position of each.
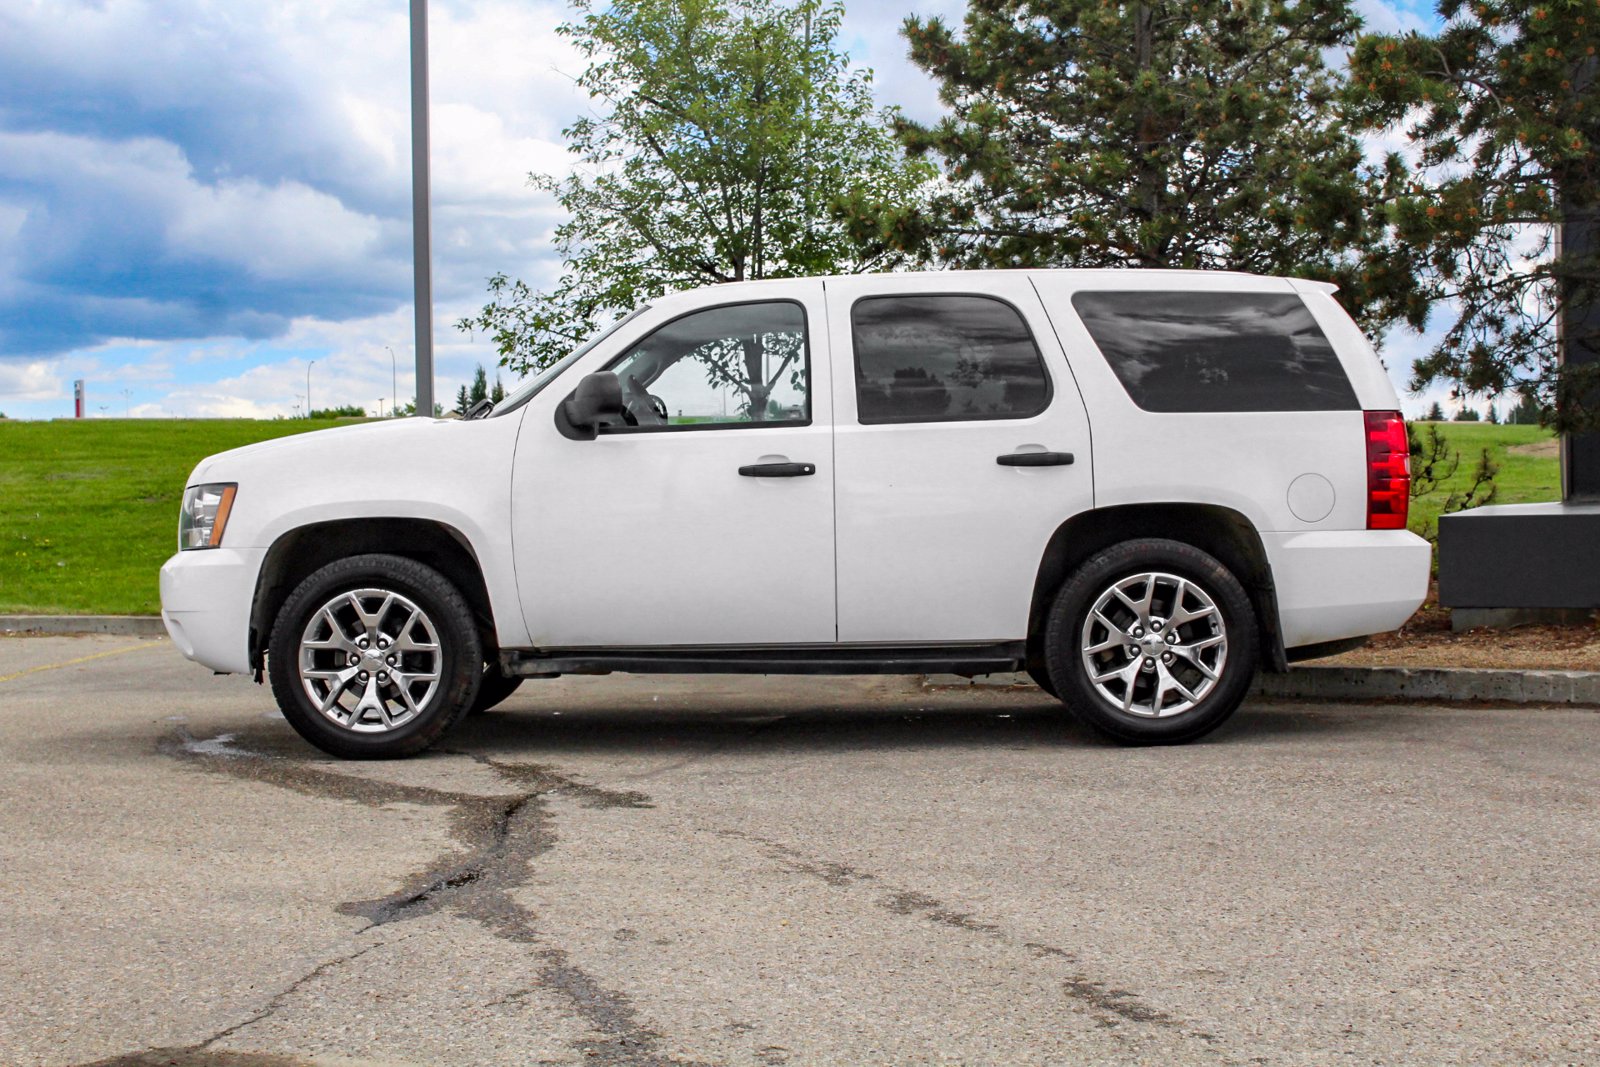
(955, 417)
(709, 521)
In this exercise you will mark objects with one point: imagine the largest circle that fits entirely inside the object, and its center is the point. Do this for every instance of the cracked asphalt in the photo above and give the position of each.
(647, 870)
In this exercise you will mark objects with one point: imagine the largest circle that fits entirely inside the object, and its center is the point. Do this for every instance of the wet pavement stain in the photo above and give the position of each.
(197, 1057)
(1112, 1006)
(503, 839)
(1117, 1002)
(913, 903)
(500, 837)
(797, 862)
(545, 781)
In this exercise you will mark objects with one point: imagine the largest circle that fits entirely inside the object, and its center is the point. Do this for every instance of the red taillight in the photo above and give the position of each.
(1388, 471)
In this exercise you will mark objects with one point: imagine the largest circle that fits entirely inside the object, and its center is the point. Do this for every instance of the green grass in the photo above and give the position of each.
(1524, 477)
(89, 508)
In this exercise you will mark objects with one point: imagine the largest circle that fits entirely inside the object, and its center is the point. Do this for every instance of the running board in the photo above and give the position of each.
(963, 659)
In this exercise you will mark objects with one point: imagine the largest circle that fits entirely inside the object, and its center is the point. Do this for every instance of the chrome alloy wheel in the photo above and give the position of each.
(1154, 645)
(370, 660)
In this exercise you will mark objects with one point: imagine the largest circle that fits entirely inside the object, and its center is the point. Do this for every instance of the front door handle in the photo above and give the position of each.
(1034, 459)
(778, 470)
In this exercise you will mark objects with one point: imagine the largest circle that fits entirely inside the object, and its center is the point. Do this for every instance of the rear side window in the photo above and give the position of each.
(943, 359)
(1186, 351)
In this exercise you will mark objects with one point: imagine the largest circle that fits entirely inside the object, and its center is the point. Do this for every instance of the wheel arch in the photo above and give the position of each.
(1223, 532)
(299, 552)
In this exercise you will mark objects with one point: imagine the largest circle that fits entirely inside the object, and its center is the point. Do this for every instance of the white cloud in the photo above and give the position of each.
(352, 365)
(871, 34)
(278, 232)
(142, 142)
(38, 380)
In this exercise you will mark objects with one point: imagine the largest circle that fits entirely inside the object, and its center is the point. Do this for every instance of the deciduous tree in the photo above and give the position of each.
(724, 131)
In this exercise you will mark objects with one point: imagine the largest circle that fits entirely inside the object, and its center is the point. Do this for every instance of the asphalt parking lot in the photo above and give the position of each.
(764, 871)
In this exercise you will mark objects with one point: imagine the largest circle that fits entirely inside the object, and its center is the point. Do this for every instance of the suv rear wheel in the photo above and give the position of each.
(374, 657)
(1152, 642)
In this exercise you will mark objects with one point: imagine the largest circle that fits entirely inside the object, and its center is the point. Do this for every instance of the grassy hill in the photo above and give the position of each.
(1528, 458)
(89, 509)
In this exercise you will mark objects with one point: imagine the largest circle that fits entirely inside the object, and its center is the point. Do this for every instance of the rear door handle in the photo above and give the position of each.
(1034, 459)
(778, 470)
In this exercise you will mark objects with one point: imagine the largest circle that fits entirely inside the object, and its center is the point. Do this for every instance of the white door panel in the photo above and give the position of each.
(937, 541)
(657, 539)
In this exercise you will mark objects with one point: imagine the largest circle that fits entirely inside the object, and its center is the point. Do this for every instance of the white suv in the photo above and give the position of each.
(1138, 486)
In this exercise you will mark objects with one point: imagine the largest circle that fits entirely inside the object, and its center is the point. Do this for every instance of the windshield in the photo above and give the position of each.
(530, 388)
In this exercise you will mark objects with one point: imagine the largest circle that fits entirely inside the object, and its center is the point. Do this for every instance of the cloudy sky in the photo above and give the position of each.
(198, 198)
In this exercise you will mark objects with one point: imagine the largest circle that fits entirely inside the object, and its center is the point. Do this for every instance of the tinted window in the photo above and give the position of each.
(939, 358)
(742, 364)
(1216, 351)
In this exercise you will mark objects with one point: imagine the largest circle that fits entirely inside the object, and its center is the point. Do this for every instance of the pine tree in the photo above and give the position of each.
(498, 393)
(1503, 111)
(463, 402)
(1087, 134)
(1435, 413)
(1526, 413)
(1492, 415)
(480, 385)
(1466, 414)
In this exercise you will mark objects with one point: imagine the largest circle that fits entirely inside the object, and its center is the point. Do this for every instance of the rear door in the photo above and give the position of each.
(960, 445)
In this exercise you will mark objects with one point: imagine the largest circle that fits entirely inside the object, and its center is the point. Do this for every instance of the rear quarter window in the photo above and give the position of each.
(1209, 351)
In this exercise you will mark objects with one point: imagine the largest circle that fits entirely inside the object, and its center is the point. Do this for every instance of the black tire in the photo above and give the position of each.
(1041, 678)
(493, 688)
(1150, 664)
(458, 658)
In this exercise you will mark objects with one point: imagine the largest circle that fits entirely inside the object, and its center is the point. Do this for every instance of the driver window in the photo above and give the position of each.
(743, 365)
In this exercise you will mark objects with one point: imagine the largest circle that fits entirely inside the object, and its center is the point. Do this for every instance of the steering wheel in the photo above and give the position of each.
(646, 409)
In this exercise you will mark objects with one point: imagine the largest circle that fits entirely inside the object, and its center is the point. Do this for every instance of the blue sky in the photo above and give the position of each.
(198, 198)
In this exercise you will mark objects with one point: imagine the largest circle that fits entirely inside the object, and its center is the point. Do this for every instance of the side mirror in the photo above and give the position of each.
(596, 402)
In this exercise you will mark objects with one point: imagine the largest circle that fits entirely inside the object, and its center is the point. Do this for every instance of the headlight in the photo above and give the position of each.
(204, 514)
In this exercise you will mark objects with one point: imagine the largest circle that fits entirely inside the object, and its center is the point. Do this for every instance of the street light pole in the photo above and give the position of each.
(394, 380)
(309, 365)
(421, 234)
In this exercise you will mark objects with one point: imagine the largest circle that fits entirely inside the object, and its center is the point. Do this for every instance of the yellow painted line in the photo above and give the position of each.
(75, 662)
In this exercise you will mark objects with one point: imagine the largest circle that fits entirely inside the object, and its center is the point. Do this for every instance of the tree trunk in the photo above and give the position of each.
(1149, 179)
(1580, 347)
(755, 379)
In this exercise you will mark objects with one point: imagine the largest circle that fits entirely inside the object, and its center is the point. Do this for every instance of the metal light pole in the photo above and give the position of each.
(421, 235)
(394, 380)
(309, 365)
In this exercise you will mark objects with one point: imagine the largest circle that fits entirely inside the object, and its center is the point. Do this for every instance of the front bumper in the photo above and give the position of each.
(1346, 583)
(206, 596)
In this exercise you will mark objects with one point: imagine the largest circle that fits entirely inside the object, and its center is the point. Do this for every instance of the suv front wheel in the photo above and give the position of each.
(374, 657)
(1152, 642)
